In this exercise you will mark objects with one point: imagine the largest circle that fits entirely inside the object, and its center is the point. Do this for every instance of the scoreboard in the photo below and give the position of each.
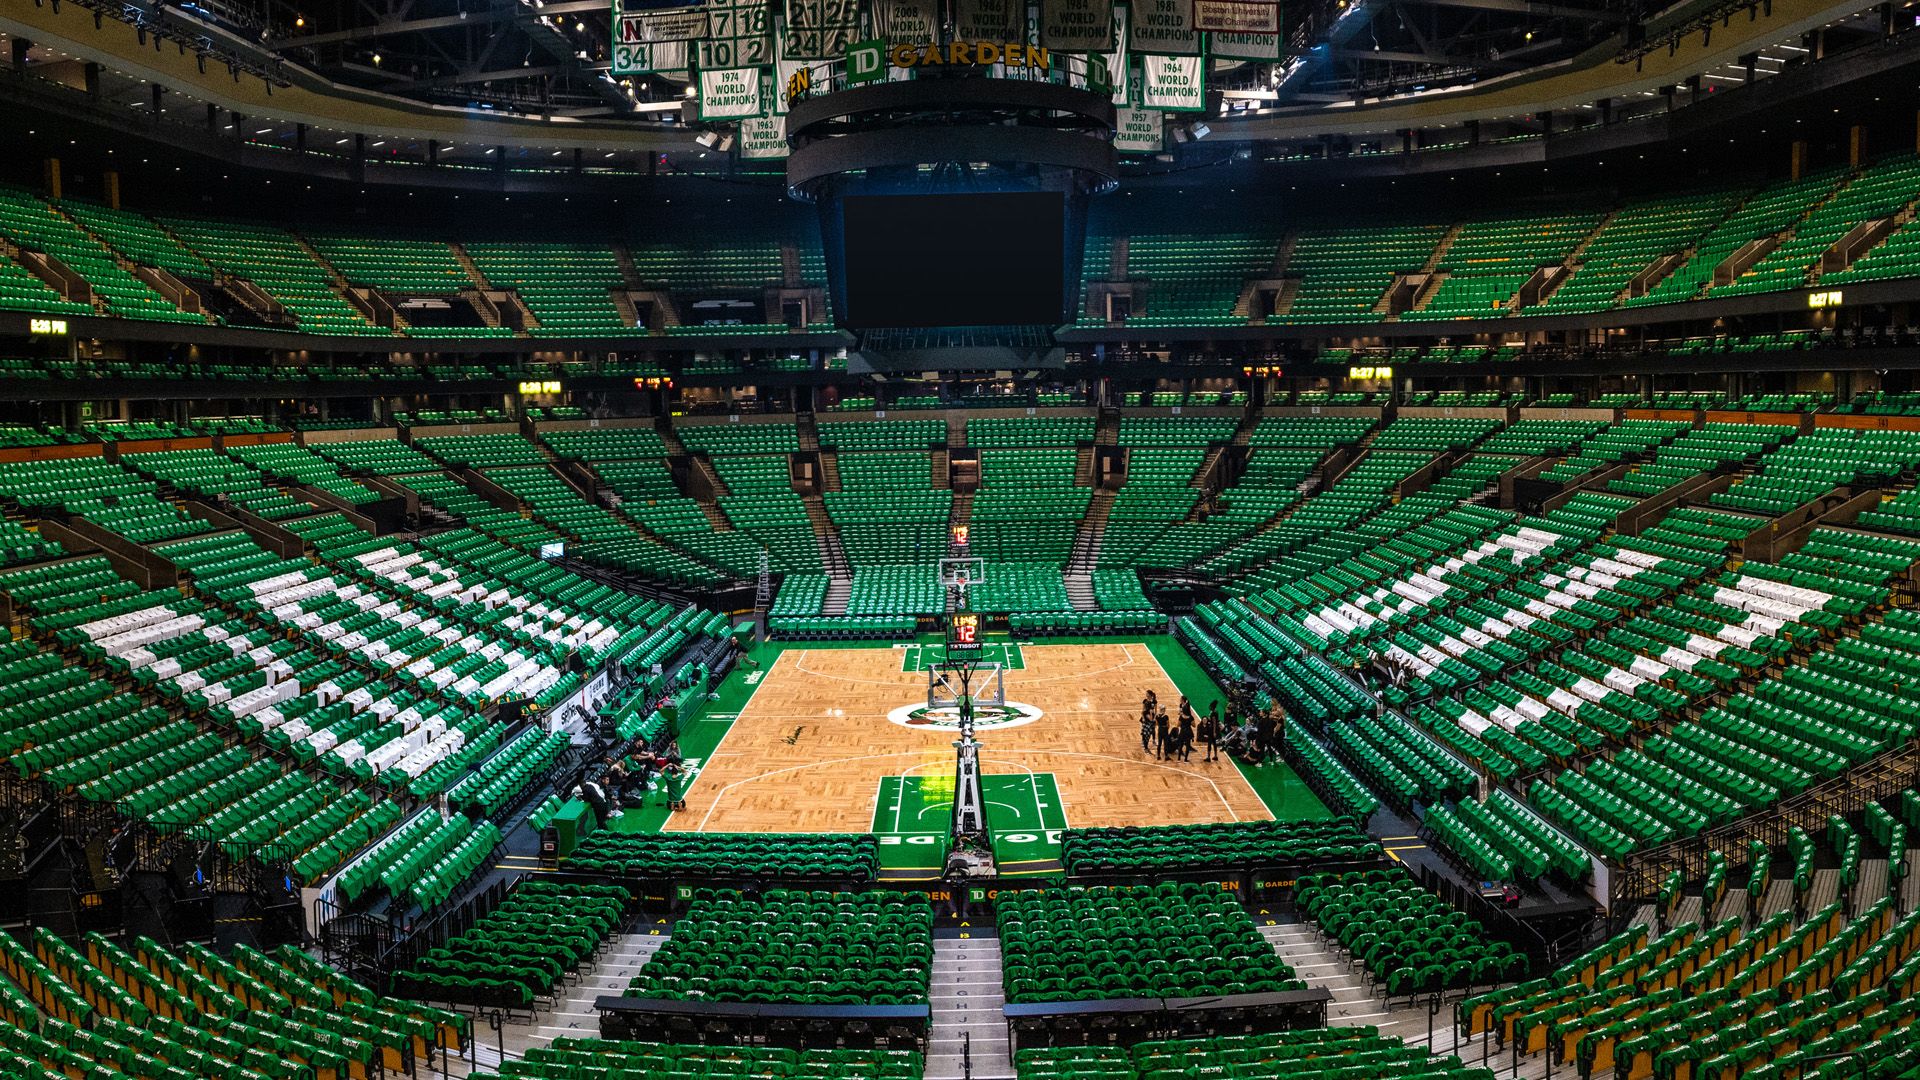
(963, 634)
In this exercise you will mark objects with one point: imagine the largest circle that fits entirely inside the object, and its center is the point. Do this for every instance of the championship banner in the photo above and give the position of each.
(730, 93)
(1173, 83)
(909, 22)
(661, 58)
(763, 137)
(988, 20)
(1164, 28)
(1242, 46)
(1138, 131)
(741, 35)
(820, 29)
(1083, 26)
(1237, 16)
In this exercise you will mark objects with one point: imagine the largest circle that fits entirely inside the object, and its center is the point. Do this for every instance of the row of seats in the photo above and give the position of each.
(872, 948)
(1171, 940)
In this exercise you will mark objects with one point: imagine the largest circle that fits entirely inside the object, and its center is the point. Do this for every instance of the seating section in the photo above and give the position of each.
(1881, 190)
(571, 1058)
(34, 225)
(1345, 271)
(140, 1009)
(1714, 999)
(520, 950)
(1194, 847)
(1195, 278)
(756, 855)
(567, 287)
(273, 260)
(1410, 941)
(810, 948)
(1170, 940)
(1702, 451)
(1629, 243)
(397, 264)
(1814, 465)
(1488, 261)
(1656, 249)
(882, 435)
(1336, 1053)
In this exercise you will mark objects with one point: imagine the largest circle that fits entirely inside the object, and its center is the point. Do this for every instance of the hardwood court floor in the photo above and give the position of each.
(809, 750)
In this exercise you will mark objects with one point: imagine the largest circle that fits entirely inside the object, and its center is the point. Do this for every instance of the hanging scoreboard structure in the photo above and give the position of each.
(1145, 56)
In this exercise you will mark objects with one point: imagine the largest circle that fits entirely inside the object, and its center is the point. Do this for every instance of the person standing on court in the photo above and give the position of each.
(1186, 727)
(1146, 729)
(1160, 726)
(675, 778)
(1210, 731)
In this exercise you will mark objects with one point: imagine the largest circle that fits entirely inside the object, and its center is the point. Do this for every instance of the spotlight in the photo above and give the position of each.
(299, 22)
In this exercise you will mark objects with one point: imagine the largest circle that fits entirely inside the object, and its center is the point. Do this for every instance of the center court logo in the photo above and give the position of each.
(947, 718)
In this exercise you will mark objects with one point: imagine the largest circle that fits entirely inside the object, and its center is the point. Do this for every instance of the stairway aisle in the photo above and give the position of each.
(1872, 885)
(1304, 950)
(1355, 1004)
(967, 996)
(573, 1013)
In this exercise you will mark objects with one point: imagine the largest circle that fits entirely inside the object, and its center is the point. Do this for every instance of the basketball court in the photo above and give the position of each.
(841, 740)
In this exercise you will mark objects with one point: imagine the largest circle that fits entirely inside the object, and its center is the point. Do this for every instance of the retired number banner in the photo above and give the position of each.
(821, 29)
(741, 35)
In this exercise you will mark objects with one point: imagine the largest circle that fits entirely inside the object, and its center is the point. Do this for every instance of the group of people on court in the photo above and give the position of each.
(1246, 732)
(624, 782)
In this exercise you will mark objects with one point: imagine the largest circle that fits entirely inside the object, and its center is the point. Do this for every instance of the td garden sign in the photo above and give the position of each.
(1014, 55)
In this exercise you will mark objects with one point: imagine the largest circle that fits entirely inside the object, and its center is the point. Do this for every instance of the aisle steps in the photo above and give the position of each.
(967, 995)
(573, 1013)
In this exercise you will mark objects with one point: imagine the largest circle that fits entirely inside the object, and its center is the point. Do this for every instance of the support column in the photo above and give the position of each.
(21, 46)
(1797, 158)
(110, 188)
(1857, 145)
(91, 76)
(300, 138)
(50, 173)
(157, 96)
(1750, 63)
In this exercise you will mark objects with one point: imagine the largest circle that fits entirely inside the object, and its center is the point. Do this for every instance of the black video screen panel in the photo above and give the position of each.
(989, 259)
